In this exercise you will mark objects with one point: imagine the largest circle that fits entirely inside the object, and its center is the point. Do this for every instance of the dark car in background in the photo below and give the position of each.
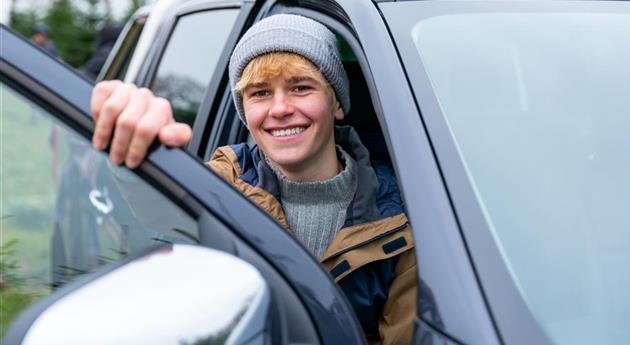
(506, 124)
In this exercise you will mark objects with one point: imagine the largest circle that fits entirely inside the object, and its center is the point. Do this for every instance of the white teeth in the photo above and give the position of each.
(286, 132)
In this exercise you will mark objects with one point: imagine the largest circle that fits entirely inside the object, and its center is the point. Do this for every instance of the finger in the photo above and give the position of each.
(158, 115)
(127, 122)
(175, 134)
(109, 113)
(100, 93)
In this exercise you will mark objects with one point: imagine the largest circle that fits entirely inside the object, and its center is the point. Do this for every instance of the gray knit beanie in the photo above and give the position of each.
(293, 34)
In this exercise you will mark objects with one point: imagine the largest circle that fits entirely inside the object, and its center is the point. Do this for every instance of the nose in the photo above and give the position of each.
(281, 105)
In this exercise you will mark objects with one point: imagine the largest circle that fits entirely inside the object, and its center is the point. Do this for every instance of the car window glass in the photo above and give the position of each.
(190, 58)
(65, 210)
(542, 129)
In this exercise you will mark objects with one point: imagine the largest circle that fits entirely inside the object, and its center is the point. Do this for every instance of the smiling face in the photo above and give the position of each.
(290, 111)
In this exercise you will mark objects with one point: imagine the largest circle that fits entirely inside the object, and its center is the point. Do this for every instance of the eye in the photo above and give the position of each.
(302, 88)
(259, 93)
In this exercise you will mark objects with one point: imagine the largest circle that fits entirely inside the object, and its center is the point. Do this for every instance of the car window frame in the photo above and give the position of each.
(148, 70)
(228, 220)
(124, 47)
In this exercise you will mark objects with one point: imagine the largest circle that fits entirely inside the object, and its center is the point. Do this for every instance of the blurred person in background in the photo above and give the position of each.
(104, 43)
(41, 37)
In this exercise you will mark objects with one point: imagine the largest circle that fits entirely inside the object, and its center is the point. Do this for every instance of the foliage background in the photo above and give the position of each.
(73, 24)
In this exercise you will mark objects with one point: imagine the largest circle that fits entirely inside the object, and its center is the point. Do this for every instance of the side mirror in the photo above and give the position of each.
(176, 295)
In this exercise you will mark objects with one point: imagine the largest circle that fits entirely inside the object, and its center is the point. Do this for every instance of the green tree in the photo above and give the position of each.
(8, 263)
(73, 31)
(107, 16)
(70, 31)
(60, 18)
(133, 6)
(23, 22)
(13, 297)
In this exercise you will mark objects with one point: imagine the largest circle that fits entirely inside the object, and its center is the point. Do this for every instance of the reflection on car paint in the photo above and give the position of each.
(106, 205)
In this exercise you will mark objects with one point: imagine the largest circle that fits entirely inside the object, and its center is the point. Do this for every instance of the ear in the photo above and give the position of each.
(338, 111)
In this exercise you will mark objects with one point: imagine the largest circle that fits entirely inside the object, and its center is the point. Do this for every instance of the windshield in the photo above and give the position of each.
(539, 108)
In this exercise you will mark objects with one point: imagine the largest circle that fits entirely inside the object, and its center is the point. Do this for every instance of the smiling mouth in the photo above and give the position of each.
(287, 132)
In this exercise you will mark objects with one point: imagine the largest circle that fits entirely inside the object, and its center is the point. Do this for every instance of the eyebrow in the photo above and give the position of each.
(291, 80)
(256, 85)
(298, 79)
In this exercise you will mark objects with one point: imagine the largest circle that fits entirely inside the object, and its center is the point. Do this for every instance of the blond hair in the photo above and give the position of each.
(272, 65)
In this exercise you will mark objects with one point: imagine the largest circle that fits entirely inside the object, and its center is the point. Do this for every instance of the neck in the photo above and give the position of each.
(326, 167)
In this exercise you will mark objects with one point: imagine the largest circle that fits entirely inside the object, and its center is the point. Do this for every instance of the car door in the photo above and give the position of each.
(178, 68)
(172, 198)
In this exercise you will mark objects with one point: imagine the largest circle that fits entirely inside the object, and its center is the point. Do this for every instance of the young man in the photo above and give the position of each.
(316, 180)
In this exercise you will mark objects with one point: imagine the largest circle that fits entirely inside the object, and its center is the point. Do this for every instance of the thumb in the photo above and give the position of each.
(175, 134)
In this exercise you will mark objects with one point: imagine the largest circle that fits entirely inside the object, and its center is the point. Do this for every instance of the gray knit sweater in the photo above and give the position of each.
(315, 211)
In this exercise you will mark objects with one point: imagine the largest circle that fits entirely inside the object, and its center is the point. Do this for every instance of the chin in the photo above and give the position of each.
(286, 163)
(287, 160)
(286, 156)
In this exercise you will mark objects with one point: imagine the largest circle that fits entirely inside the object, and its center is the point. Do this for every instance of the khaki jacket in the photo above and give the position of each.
(371, 258)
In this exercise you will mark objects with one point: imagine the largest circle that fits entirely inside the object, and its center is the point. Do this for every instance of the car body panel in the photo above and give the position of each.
(508, 306)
